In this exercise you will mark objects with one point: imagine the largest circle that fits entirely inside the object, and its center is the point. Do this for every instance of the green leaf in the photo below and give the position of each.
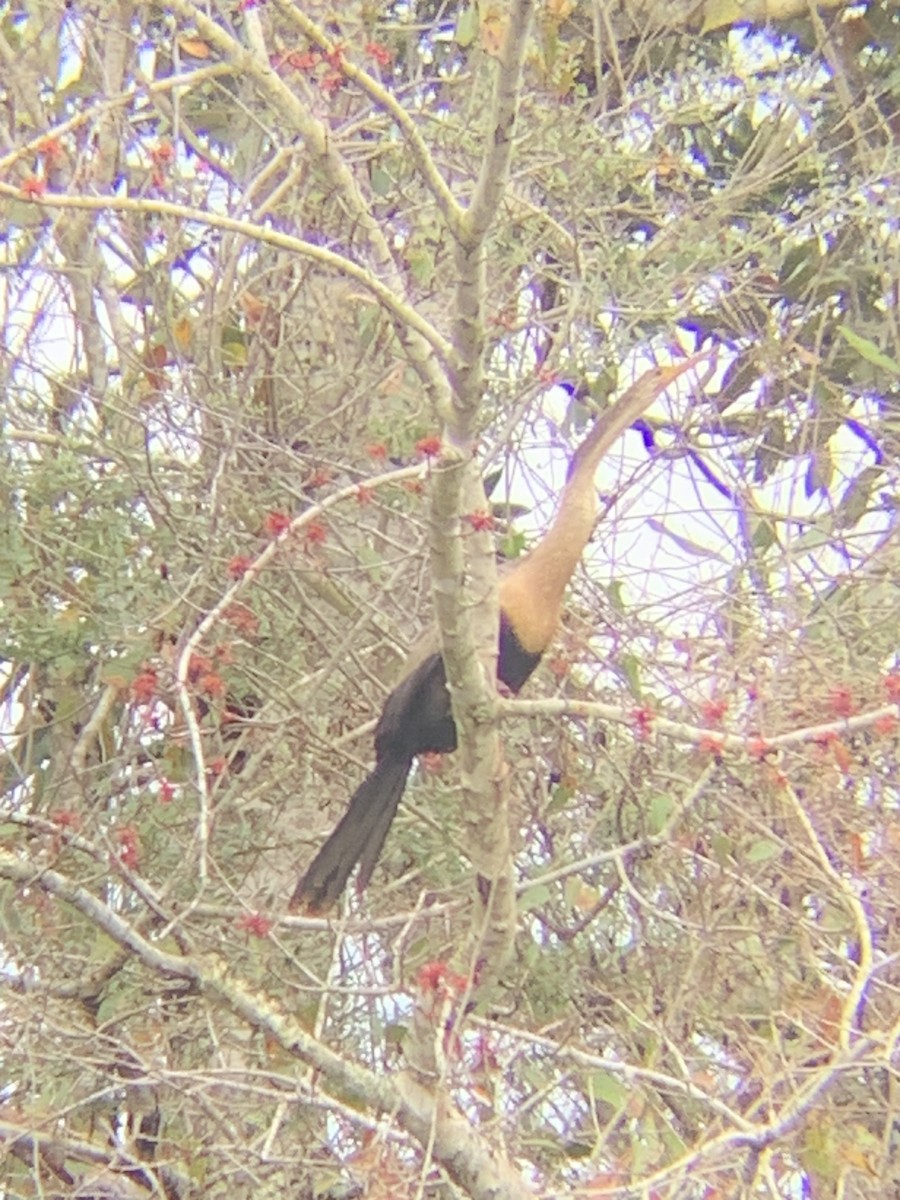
(609, 1088)
(660, 811)
(466, 26)
(512, 545)
(819, 472)
(630, 666)
(762, 851)
(614, 591)
(869, 351)
(382, 183)
(534, 897)
(763, 535)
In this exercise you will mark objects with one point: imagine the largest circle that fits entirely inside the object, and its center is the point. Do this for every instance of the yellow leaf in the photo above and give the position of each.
(720, 13)
(254, 309)
(494, 28)
(194, 46)
(182, 332)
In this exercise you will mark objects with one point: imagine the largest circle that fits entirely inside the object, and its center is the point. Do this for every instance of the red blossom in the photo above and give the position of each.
(34, 187)
(886, 724)
(642, 719)
(316, 532)
(143, 687)
(364, 495)
(379, 53)
(52, 149)
(758, 748)
(377, 451)
(255, 924)
(242, 618)
(710, 744)
(163, 153)
(239, 565)
(892, 686)
(332, 82)
(66, 818)
(714, 710)
(127, 838)
(198, 664)
(303, 60)
(319, 478)
(276, 523)
(336, 55)
(841, 702)
(434, 976)
(166, 791)
(480, 521)
(217, 766)
(429, 447)
(211, 684)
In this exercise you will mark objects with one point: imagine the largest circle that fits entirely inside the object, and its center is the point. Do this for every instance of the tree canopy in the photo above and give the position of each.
(304, 308)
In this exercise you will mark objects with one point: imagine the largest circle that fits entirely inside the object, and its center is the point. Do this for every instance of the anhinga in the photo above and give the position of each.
(417, 717)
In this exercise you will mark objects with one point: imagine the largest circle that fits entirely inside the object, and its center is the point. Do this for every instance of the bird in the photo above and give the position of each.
(417, 717)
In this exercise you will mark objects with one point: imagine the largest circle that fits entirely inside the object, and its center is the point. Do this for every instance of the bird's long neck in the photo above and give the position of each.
(531, 594)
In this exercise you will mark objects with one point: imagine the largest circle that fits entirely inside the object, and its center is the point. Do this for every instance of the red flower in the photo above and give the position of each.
(336, 56)
(166, 791)
(255, 924)
(319, 478)
(211, 684)
(303, 60)
(34, 187)
(242, 618)
(66, 818)
(886, 724)
(276, 523)
(51, 148)
(380, 53)
(127, 838)
(364, 494)
(642, 719)
(198, 664)
(429, 447)
(841, 701)
(714, 710)
(316, 532)
(377, 451)
(892, 686)
(162, 153)
(758, 748)
(709, 744)
(434, 976)
(239, 566)
(143, 687)
(480, 521)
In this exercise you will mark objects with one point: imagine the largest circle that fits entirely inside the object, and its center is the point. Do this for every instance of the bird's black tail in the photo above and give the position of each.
(357, 837)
